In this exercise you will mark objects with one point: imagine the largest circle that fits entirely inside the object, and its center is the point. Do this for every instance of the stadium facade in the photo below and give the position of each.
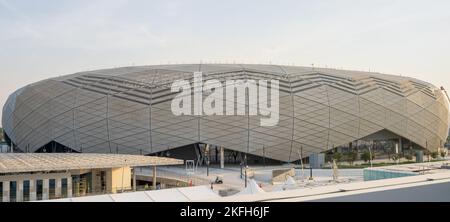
(128, 110)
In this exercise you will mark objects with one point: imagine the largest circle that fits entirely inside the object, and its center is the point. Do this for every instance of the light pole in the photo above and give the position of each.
(246, 176)
(242, 165)
(300, 154)
(207, 159)
(207, 166)
(246, 167)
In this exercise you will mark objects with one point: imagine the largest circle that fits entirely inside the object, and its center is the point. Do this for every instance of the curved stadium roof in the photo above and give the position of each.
(128, 109)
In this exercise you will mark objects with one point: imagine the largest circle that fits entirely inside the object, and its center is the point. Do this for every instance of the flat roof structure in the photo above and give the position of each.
(38, 162)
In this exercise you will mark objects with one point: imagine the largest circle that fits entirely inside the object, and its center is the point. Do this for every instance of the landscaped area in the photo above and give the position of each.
(358, 160)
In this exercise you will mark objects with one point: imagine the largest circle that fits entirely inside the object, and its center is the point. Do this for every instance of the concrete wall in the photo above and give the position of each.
(281, 175)
(118, 179)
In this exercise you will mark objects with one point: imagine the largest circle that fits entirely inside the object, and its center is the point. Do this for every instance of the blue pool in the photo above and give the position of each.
(380, 174)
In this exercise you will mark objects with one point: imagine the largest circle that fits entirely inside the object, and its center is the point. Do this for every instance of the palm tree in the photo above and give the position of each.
(428, 154)
(365, 156)
(443, 154)
(396, 157)
(351, 157)
(337, 156)
(434, 155)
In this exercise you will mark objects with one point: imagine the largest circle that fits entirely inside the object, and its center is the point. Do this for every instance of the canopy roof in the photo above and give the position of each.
(38, 162)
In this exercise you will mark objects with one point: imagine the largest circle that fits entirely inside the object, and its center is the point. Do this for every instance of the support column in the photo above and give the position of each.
(33, 190)
(222, 158)
(400, 145)
(69, 187)
(58, 185)
(45, 189)
(134, 180)
(19, 191)
(154, 178)
(6, 190)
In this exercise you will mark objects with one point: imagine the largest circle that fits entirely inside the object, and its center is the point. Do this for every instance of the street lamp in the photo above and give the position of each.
(207, 166)
(207, 159)
(241, 165)
(246, 167)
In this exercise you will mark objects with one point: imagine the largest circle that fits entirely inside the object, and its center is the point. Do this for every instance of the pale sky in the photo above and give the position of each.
(48, 38)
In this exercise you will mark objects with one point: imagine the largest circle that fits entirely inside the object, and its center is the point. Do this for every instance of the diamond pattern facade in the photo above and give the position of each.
(128, 110)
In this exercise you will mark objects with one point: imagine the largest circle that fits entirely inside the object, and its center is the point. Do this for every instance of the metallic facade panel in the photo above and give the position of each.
(128, 110)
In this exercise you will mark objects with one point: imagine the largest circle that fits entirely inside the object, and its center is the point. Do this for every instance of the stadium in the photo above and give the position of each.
(128, 111)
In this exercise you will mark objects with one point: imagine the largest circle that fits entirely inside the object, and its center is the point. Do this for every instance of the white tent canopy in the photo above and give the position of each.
(290, 183)
(252, 188)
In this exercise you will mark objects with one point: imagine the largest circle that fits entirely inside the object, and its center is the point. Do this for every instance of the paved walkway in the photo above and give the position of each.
(232, 180)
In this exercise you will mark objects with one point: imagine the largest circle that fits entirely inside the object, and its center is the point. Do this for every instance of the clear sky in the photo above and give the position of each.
(48, 38)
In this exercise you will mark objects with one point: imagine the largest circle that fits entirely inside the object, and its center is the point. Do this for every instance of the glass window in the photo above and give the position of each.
(64, 188)
(52, 188)
(39, 189)
(26, 190)
(103, 181)
(12, 191)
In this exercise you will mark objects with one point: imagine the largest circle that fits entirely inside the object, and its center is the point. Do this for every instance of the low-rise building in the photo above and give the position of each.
(31, 177)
